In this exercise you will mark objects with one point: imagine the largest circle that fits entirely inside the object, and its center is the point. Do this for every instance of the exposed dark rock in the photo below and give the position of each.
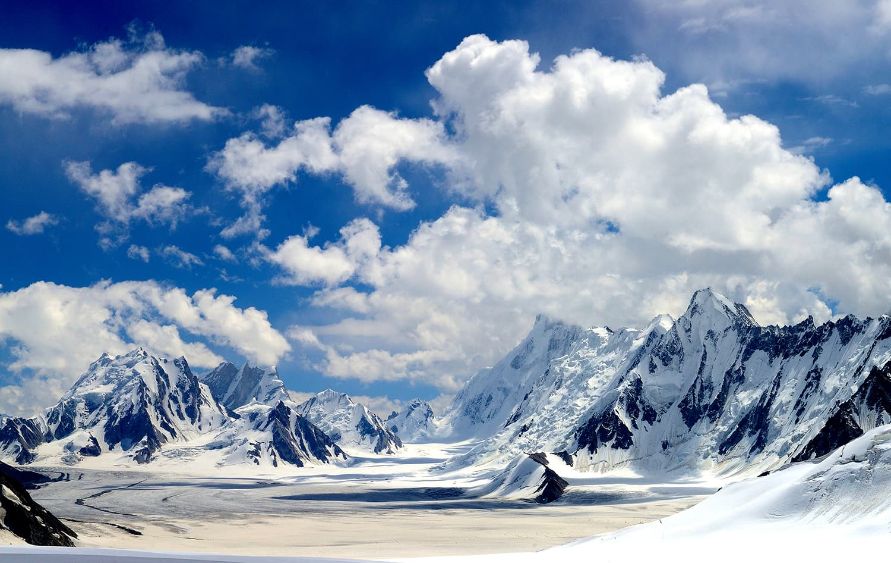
(91, 449)
(755, 422)
(869, 407)
(26, 518)
(552, 485)
(605, 429)
(28, 479)
(293, 444)
(19, 436)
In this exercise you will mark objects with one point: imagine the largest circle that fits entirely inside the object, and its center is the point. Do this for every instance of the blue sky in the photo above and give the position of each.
(822, 79)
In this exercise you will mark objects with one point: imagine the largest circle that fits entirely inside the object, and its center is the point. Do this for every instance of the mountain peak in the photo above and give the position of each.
(709, 304)
(235, 387)
(349, 423)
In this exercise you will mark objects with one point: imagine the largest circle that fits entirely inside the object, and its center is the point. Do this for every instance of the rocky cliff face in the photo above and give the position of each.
(25, 518)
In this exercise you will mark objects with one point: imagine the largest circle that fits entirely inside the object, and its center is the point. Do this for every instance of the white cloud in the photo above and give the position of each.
(272, 120)
(179, 257)
(223, 253)
(247, 56)
(33, 225)
(162, 204)
(607, 202)
(54, 331)
(115, 192)
(112, 189)
(140, 81)
(330, 264)
(137, 252)
(154, 336)
(728, 42)
(811, 144)
(878, 89)
(365, 149)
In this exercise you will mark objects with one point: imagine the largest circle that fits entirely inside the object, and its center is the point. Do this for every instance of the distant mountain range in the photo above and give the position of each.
(137, 407)
(711, 391)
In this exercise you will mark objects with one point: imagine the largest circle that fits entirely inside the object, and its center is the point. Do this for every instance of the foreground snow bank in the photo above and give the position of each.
(83, 555)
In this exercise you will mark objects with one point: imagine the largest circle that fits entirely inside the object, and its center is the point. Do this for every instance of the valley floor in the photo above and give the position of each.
(378, 508)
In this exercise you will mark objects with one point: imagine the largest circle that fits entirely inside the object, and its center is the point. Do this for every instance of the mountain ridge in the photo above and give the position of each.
(708, 392)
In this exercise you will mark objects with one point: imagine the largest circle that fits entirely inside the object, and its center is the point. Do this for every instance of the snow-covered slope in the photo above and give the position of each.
(414, 422)
(267, 436)
(132, 403)
(348, 423)
(712, 391)
(488, 398)
(840, 506)
(234, 387)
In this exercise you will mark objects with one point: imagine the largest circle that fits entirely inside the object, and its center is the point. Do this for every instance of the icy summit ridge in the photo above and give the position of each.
(350, 424)
(415, 421)
(712, 391)
(133, 403)
(235, 387)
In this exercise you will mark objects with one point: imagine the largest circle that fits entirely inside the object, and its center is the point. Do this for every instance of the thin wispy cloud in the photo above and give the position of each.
(34, 225)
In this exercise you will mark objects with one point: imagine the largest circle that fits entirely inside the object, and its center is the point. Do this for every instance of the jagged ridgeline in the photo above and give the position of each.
(132, 406)
(710, 391)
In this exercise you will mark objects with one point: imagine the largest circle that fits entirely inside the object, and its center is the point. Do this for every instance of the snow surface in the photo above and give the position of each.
(837, 509)
(33, 554)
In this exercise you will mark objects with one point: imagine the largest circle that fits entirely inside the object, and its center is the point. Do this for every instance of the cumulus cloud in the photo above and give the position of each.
(52, 332)
(34, 225)
(273, 123)
(139, 81)
(115, 193)
(600, 199)
(328, 265)
(365, 149)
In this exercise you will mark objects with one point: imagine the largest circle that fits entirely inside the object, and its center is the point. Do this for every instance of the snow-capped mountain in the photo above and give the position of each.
(19, 436)
(348, 423)
(413, 422)
(135, 404)
(487, 399)
(132, 403)
(712, 391)
(234, 387)
(273, 435)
